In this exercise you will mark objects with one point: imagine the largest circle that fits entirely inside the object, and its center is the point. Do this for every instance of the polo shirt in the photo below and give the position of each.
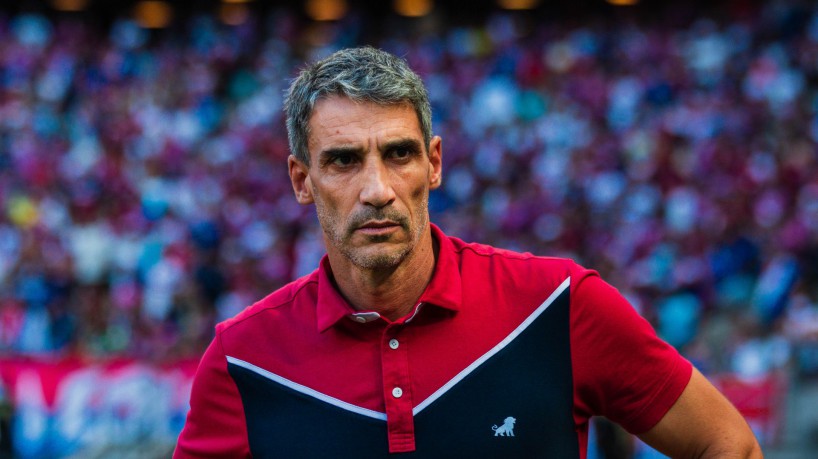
(505, 355)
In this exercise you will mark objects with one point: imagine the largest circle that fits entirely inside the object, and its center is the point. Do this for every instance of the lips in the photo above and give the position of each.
(379, 228)
(377, 222)
(378, 225)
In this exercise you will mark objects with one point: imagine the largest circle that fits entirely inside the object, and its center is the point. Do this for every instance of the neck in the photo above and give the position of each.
(392, 292)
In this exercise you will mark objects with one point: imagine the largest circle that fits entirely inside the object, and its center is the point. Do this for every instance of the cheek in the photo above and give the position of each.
(416, 185)
(331, 200)
(420, 199)
(419, 193)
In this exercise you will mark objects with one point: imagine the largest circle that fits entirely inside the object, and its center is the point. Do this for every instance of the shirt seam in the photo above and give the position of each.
(231, 323)
(511, 256)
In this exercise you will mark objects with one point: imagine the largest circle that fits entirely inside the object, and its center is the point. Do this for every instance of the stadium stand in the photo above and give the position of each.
(144, 195)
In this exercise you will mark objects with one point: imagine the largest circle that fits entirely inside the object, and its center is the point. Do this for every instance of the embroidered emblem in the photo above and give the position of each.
(507, 429)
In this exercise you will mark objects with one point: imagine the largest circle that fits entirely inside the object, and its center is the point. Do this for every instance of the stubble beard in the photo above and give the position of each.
(340, 235)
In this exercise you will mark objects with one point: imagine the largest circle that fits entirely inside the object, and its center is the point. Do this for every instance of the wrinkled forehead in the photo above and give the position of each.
(340, 117)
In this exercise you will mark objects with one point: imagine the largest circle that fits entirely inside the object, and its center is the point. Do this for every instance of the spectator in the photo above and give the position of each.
(144, 194)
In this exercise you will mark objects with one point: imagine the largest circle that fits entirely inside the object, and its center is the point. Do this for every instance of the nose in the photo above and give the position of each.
(376, 188)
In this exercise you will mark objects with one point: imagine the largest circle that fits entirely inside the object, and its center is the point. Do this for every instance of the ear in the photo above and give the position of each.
(300, 178)
(435, 162)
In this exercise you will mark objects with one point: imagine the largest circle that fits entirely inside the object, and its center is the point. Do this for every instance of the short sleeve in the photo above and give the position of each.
(621, 369)
(215, 425)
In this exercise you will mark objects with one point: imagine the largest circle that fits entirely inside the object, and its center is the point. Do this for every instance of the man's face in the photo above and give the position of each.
(369, 177)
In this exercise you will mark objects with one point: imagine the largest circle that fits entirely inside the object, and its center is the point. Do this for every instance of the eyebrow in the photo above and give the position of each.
(407, 143)
(335, 151)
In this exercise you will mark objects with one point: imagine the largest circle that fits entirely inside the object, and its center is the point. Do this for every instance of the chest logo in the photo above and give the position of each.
(507, 429)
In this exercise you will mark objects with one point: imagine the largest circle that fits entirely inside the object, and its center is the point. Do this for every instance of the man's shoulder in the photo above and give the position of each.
(281, 298)
(526, 273)
(484, 253)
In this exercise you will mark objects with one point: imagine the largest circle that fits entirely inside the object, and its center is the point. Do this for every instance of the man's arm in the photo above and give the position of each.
(703, 424)
(215, 426)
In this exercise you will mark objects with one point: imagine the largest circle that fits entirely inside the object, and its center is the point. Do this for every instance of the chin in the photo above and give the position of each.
(378, 259)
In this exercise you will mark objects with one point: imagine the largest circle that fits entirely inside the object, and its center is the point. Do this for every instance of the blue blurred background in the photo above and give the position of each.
(144, 194)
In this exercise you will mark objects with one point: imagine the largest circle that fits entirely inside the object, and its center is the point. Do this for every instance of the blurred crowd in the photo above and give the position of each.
(144, 193)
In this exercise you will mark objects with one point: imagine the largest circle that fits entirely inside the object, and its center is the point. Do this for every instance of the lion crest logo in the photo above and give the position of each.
(507, 429)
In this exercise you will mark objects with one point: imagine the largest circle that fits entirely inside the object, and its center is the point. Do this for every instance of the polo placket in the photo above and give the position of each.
(397, 388)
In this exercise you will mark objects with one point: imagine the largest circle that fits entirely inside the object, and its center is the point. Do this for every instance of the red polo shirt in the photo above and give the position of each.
(504, 352)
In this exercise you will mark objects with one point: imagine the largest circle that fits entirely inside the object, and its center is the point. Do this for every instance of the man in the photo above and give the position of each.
(408, 341)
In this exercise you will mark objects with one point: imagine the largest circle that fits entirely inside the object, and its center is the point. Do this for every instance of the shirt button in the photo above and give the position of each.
(397, 392)
(393, 343)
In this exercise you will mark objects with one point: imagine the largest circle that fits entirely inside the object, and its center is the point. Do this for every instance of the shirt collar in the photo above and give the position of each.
(444, 289)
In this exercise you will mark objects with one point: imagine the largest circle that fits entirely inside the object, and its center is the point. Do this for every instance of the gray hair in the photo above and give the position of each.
(361, 74)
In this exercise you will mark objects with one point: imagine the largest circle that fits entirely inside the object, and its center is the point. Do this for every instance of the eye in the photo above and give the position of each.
(342, 159)
(401, 153)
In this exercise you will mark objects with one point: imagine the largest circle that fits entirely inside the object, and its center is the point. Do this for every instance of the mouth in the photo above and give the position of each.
(377, 227)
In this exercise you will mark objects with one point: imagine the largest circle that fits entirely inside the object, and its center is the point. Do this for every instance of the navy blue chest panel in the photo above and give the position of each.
(528, 379)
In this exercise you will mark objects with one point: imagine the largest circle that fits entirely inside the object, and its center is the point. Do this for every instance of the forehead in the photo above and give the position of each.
(341, 120)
